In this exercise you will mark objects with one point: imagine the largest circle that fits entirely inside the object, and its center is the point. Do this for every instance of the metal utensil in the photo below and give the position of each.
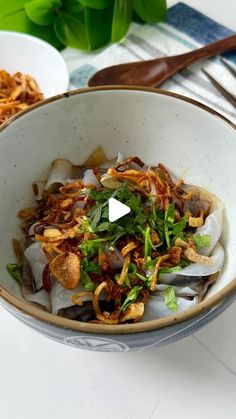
(229, 96)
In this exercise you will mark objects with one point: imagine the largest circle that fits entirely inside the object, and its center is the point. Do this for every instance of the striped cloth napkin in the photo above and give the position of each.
(184, 30)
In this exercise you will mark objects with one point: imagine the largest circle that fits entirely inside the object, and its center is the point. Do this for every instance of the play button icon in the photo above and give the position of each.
(116, 209)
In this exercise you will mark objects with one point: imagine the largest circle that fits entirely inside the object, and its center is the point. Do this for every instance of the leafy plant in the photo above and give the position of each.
(83, 24)
(121, 20)
(150, 11)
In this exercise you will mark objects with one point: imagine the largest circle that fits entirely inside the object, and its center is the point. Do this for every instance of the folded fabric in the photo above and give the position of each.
(184, 30)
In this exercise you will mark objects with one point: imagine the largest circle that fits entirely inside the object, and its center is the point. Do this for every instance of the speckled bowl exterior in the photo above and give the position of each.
(122, 342)
(155, 125)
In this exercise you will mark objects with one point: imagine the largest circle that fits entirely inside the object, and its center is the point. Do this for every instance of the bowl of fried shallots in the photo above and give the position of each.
(117, 213)
(31, 70)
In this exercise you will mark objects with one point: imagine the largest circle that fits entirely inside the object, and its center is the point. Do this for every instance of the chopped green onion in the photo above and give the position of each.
(142, 277)
(169, 222)
(146, 243)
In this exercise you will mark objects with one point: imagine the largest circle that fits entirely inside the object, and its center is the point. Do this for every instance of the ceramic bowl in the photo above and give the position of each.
(30, 55)
(190, 139)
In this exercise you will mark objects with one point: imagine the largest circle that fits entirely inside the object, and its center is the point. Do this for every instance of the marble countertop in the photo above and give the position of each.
(196, 377)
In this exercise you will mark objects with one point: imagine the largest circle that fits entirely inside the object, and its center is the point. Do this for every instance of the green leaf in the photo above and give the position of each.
(202, 241)
(18, 22)
(142, 277)
(116, 237)
(91, 266)
(169, 221)
(131, 297)
(146, 243)
(42, 12)
(170, 214)
(156, 219)
(127, 281)
(132, 268)
(71, 31)
(46, 33)
(150, 11)
(98, 27)
(96, 218)
(170, 298)
(129, 224)
(133, 202)
(89, 248)
(86, 281)
(122, 17)
(132, 273)
(180, 226)
(166, 270)
(84, 24)
(136, 17)
(183, 263)
(72, 6)
(15, 270)
(9, 8)
(101, 195)
(84, 226)
(97, 4)
(13, 16)
(70, 25)
(103, 227)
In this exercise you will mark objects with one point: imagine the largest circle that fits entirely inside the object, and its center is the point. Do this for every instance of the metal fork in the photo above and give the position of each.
(231, 98)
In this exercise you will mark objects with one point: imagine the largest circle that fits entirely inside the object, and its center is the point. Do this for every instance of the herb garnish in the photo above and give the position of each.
(128, 225)
(202, 241)
(170, 298)
(15, 270)
(169, 222)
(131, 297)
(86, 281)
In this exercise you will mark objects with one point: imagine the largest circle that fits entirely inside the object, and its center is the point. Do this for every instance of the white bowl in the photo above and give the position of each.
(30, 55)
(190, 139)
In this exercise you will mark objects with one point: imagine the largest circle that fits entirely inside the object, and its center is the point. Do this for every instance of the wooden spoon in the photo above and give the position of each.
(156, 71)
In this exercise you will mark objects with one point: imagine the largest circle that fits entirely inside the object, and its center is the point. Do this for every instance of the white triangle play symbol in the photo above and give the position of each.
(116, 209)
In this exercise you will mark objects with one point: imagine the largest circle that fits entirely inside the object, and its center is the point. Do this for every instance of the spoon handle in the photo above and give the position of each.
(154, 72)
(176, 63)
(209, 50)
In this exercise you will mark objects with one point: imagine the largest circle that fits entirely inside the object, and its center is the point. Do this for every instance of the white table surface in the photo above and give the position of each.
(196, 377)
